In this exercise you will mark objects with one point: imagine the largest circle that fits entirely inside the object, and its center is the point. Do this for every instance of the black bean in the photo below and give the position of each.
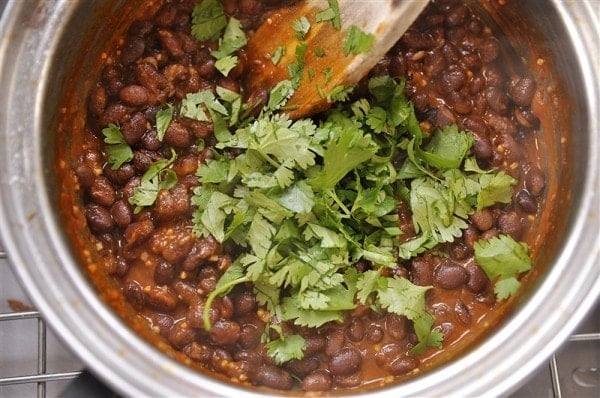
(510, 224)
(164, 273)
(244, 303)
(250, 335)
(120, 267)
(164, 322)
(250, 7)
(335, 341)
(150, 140)
(454, 79)
(402, 365)
(181, 335)
(302, 367)
(478, 280)
(526, 202)
(225, 332)
(102, 191)
(395, 326)
(497, 100)
(387, 353)
(171, 42)
(134, 95)
(121, 175)
(98, 101)
(198, 352)
(483, 219)
(137, 232)
(356, 330)
(132, 49)
(421, 271)
(134, 128)
(456, 15)
(463, 314)
(172, 204)
(490, 233)
(535, 181)
(459, 102)
(349, 381)
(450, 275)
(178, 135)
(374, 334)
(134, 294)
(319, 380)
(159, 298)
(489, 49)
(85, 175)
(345, 362)
(314, 345)
(274, 377)
(121, 213)
(523, 91)
(98, 218)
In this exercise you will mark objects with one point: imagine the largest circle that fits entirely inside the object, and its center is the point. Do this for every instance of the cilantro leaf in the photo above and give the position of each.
(278, 54)
(349, 148)
(117, 150)
(301, 27)
(208, 20)
(331, 13)
(155, 179)
(503, 259)
(226, 64)
(286, 348)
(163, 119)
(234, 38)
(495, 188)
(357, 41)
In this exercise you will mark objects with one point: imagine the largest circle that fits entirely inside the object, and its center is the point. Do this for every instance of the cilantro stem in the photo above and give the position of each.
(331, 193)
(213, 295)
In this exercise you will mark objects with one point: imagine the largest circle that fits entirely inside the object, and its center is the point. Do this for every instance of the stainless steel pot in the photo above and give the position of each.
(39, 50)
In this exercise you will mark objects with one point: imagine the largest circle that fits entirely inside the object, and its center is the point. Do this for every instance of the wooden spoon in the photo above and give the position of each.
(327, 66)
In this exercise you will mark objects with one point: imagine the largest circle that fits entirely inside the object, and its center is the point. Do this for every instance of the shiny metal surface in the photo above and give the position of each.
(39, 41)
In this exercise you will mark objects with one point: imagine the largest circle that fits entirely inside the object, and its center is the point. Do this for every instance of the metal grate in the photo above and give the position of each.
(552, 380)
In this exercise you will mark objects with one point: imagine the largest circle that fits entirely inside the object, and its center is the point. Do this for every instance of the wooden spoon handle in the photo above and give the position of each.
(322, 55)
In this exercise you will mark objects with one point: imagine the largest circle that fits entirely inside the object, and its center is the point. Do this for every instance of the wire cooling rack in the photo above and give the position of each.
(33, 363)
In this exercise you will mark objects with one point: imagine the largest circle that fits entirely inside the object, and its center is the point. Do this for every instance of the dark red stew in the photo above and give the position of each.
(182, 267)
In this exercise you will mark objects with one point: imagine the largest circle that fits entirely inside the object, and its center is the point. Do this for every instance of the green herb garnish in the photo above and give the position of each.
(208, 20)
(117, 149)
(503, 259)
(156, 178)
(163, 119)
(357, 41)
(332, 13)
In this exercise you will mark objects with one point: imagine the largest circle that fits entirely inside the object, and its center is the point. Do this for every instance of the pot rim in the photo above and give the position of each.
(40, 256)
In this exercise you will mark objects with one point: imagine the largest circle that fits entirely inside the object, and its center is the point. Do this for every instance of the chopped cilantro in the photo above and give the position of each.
(117, 149)
(163, 119)
(156, 178)
(319, 52)
(301, 27)
(208, 20)
(226, 64)
(503, 259)
(286, 347)
(307, 199)
(331, 13)
(233, 39)
(357, 41)
(277, 54)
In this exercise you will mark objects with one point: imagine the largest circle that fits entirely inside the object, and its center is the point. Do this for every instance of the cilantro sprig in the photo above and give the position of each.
(116, 148)
(157, 177)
